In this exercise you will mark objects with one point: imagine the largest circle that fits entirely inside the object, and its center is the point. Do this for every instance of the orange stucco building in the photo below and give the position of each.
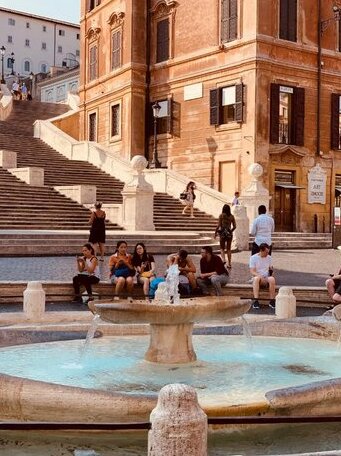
(237, 81)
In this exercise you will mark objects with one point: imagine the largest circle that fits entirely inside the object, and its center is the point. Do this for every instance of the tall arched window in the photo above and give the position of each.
(27, 66)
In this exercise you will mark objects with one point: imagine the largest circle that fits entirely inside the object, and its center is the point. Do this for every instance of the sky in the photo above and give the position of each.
(66, 10)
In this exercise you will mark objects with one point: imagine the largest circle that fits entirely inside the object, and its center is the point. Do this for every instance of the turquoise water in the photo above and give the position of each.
(263, 440)
(229, 370)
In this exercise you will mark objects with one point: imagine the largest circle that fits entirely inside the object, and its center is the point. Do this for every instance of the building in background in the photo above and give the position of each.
(55, 89)
(236, 86)
(37, 43)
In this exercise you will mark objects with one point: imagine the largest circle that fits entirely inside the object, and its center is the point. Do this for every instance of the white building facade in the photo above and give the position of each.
(56, 90)
(36, 43)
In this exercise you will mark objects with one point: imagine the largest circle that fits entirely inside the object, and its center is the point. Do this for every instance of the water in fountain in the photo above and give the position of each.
(247, 332)
(172, 284)
(90, 334)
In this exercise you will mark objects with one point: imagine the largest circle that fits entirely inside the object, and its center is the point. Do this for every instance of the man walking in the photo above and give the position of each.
(261, 270)
(212, 271)
(262, 228)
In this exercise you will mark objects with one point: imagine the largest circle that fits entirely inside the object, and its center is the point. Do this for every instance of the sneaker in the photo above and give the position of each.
(90, 298)
(272, 304)
(255, 304)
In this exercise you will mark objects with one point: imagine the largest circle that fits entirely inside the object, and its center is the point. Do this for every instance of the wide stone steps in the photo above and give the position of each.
(39, 243)
(59, 212)
(59, 171)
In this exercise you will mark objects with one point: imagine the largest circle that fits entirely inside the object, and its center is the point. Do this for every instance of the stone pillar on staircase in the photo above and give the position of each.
(82, 194)
(255, 193)
(8, 159)
(32, 175)
(241, 234)
(138, 199)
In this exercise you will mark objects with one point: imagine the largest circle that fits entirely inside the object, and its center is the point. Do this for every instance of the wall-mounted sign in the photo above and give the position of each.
(193, 91)
(317, 179)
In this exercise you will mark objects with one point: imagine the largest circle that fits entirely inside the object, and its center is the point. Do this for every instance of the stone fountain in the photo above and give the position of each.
(171, 320)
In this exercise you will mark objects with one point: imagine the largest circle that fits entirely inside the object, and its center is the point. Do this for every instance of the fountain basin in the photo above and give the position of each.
(171, 325)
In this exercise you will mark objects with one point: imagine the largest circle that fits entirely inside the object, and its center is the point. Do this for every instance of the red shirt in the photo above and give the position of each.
(215, 265)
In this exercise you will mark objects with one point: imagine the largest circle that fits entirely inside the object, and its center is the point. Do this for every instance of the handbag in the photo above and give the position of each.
(147, 274)
(183, 195)
(123, 272)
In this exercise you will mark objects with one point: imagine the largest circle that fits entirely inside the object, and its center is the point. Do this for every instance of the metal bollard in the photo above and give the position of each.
(179, 425)
(285, 303)
(34, 301)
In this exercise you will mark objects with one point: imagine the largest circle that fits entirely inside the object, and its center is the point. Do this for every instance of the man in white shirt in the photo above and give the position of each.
(235, 201)
(261, 270)
(262, 228)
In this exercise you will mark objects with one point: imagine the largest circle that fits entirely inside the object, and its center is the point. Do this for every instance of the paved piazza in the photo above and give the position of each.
(292, 267)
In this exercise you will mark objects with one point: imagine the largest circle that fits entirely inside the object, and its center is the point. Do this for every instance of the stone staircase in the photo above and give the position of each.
(295, 240)
(26, 207)
(16, 134)
(68, 242)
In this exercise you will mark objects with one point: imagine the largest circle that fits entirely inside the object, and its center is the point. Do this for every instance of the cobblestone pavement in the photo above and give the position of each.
(292, 267)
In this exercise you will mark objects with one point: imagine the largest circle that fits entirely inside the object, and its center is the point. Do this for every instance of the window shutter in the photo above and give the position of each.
(292, 20)
(116, 49)
(224, 20)
(298, 116)
(283, 19)
(162, 45)
(229, 20)
(274, 114)
(233, 20)
(214, 106)
(335, 121)
(176, 118)
(239, 103)
(170, 116)
(288, 20)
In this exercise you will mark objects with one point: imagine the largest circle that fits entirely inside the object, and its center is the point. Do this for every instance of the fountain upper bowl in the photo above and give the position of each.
(190, 310)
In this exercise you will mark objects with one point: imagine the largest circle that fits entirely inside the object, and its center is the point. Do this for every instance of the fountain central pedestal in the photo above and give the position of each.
(171, 325)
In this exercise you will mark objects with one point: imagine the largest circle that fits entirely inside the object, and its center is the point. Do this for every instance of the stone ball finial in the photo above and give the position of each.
(256, 170)
(139, 163)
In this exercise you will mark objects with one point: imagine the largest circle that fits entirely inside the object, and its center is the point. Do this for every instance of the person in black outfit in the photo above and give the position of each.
(97, 230)
(88, 273)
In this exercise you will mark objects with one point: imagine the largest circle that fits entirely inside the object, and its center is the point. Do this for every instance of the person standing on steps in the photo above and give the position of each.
(262, 228)
(97, 230)
(189, 198)
(225, 228)
(235, 201)
(88, 273)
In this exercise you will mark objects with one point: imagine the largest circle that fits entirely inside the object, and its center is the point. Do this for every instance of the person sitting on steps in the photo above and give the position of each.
(88, 273)
(122, 271)
(186, 267)
(333, 285)
(212, 271)
(144, 265)
(261, 270)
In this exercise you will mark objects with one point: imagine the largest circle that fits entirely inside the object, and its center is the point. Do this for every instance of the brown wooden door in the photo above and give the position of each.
(285, 202)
